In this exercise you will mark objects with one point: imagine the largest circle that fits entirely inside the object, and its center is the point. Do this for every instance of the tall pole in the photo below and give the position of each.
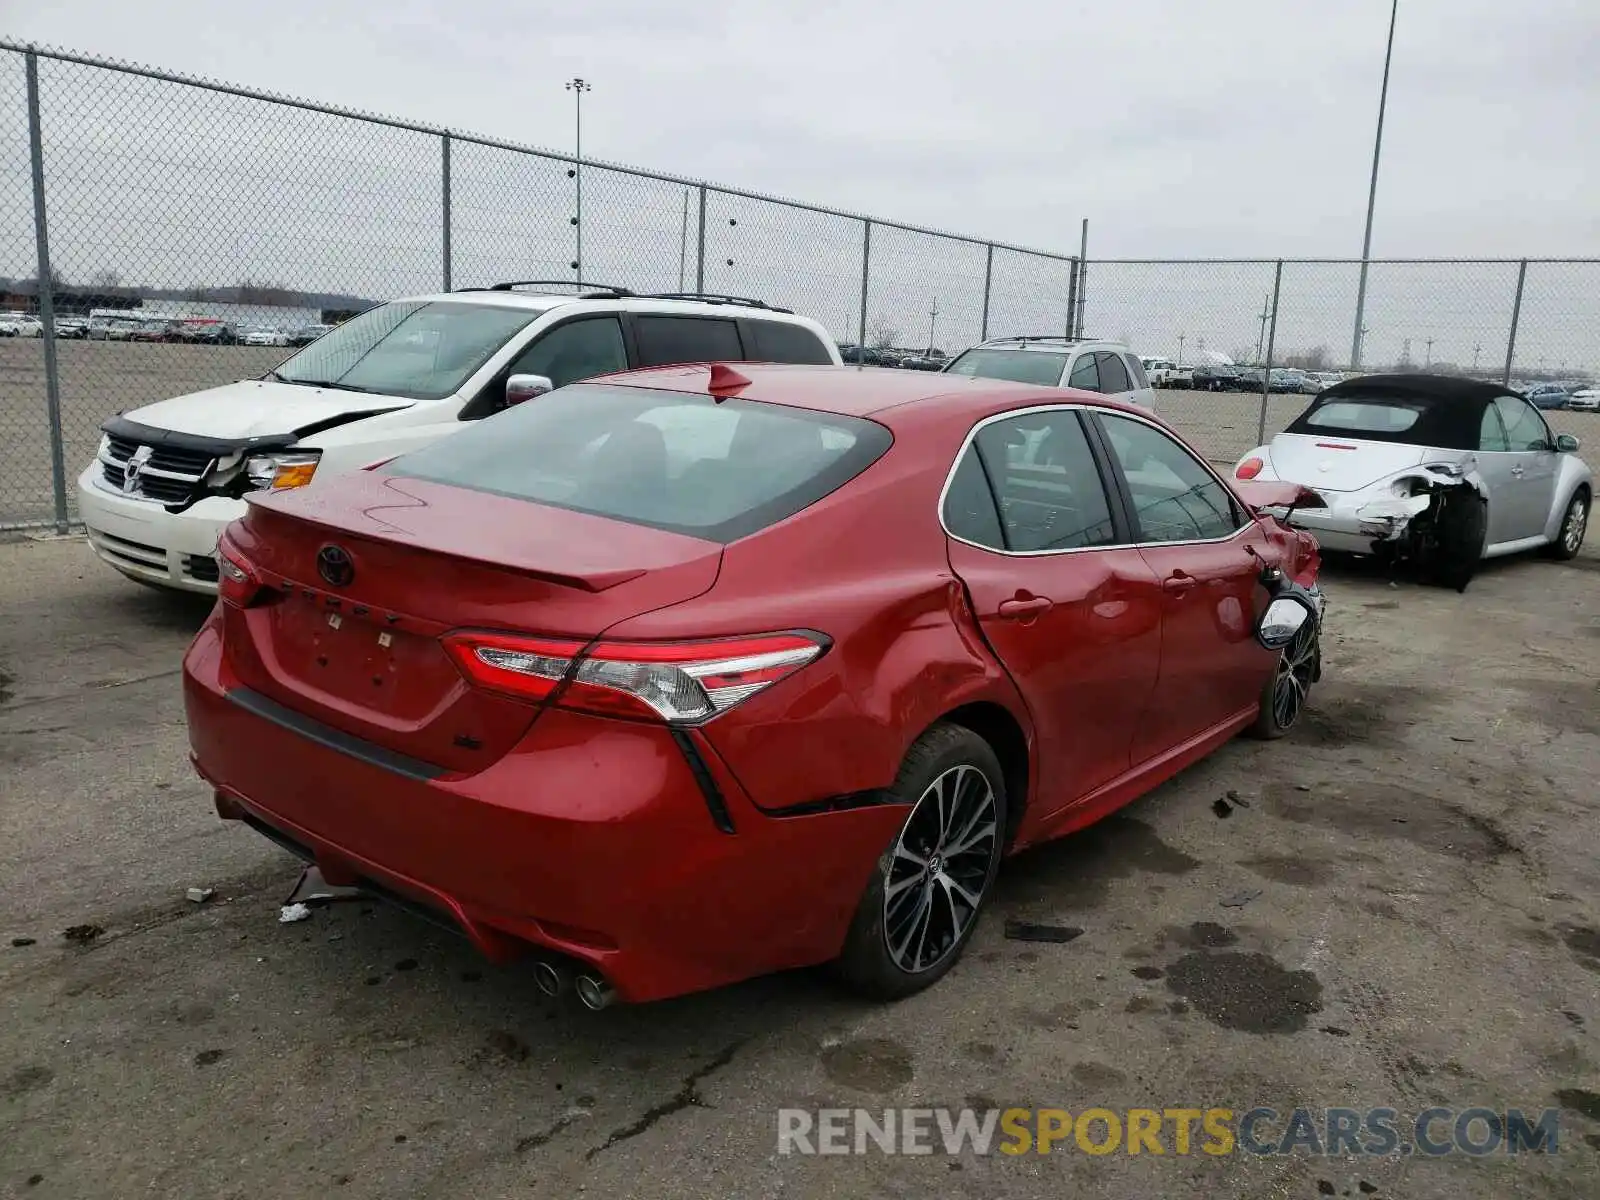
(866, 271)
(988, 278)
(1372, 193)
(1516, 319)
(683, 242)
(933, 316)
(1083, 273)
(1180, 349)
(1428, 358)
(578, 87)
(47, 300)
(1266, 371)
(1266, 311)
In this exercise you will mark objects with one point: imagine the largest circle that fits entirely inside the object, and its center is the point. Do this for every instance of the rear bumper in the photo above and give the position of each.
(1358, 522)
(144, 541)
(592, 838)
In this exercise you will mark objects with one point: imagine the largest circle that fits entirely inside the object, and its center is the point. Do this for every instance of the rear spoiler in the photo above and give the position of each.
(1262, 494)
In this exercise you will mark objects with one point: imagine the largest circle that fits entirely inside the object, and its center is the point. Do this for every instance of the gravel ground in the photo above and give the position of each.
(101, 378)
(1421, 926)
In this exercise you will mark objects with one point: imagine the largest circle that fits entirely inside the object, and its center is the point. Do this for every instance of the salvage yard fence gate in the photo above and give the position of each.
(132, 191)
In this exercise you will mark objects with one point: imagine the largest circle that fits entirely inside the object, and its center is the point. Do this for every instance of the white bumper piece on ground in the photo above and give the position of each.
(144, 541)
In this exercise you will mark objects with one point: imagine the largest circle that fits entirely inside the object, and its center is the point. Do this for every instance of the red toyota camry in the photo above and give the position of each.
(690, 674)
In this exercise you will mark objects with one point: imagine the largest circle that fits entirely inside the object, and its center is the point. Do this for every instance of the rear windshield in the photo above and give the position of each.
(1365, 417)
(1019, 366)
(669, 460)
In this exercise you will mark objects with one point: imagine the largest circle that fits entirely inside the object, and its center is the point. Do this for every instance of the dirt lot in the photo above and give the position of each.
(1421, 926)
(101, 378)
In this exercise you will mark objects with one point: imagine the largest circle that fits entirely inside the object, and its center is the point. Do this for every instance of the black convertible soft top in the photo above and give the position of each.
(1449, 409)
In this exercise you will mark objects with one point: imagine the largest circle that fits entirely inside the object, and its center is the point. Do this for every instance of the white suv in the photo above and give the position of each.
(170, 476)
(1090, 365)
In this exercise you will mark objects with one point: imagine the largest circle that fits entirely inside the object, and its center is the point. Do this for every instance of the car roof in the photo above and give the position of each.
(543, 302)
(893, 398)
(1050, 343)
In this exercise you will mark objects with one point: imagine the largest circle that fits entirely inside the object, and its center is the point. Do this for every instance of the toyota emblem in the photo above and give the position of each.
(335, 567)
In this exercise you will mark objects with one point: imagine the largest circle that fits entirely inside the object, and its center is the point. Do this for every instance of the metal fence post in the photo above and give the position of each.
(1072, 297)
(1272, 337)
(988, 277)
(1516, 319)
(1083, 276)
(47, 300)
(700, 259)
(444, 150)
(866, 263)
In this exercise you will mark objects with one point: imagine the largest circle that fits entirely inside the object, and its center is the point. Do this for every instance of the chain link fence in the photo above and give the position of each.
(192, 231)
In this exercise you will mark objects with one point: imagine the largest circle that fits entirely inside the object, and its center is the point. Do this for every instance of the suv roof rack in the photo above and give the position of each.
(716, 298)
(596, 291)
(1039, 337)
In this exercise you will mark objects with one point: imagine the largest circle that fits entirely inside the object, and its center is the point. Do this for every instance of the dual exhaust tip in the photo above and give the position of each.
(553, 979)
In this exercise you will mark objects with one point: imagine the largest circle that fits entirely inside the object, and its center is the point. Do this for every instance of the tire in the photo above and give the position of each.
(1283, 696)
(1569, 538)
(886, 954)
(1462, 526)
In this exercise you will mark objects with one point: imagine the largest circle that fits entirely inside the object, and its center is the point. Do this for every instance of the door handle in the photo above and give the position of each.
(1029, 607)
(1178, 582)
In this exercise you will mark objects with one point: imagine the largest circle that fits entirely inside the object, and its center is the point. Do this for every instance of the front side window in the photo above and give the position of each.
(1175, 497)
(1041, 477)
(421, 349)
(1492, 430)
(576, 350)
(1525, 428)
(677, 461)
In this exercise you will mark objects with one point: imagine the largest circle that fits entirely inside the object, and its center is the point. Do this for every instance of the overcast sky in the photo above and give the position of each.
(1231, 127)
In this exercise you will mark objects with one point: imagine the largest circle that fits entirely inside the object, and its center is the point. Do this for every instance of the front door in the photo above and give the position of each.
(1206, 553)
(1076, 625)
(1529, 480)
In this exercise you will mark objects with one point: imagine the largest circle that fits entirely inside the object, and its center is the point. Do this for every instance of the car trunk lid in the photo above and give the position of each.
(1333, 463)
(363, 576)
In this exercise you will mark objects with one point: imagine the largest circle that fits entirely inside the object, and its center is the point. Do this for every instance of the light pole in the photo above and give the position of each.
(933, 317)
(1372, 192)
(1428, 361)
(578, 87)
(1180, 349)
(1476, 350)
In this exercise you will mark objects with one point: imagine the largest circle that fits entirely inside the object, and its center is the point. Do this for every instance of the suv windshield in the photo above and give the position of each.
(420, 349)
(1018, 366)
(713, 469)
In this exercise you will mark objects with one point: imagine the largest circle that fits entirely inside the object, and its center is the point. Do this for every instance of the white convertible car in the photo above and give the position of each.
(1431, 468)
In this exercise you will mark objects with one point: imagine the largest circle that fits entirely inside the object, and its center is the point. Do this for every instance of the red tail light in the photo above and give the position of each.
(675, 682)
(237, 584)
(1248, 469)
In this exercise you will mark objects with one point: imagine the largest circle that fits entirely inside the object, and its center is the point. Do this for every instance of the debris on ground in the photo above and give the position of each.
(1302, 787)
(199, 895)
(1240, 899)
(290, 913)
(1222, 808)
(81, 935)
(1454, 738)
(1237, 799)
(1026, 931)
(22, 941)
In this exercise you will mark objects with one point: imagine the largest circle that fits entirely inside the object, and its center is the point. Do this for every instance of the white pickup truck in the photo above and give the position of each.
(1164, 373)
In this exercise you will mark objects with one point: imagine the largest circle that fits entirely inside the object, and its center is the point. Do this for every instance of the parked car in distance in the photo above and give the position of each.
(1547, 395)
(1585, 399)
(264, 337)
(1164, 373)
(1439, 470)
(1089, 365)
(307, 334)
(72, 328)
(1214, 377)
(20, 324)
(169, 476)
(692, 629)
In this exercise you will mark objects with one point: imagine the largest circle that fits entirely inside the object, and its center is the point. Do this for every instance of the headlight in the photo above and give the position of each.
(104, 452)
(276, 472)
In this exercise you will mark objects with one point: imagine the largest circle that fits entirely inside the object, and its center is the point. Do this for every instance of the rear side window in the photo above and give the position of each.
(1045, 490)
(668, 460)
(1113, 375)
(1136, 372)
(666, 340)
(783, 342)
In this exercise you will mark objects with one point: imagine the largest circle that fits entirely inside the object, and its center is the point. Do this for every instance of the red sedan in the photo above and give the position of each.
(684, 675)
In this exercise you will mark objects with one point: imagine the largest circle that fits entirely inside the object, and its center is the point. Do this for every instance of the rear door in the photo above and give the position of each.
(1068, 608)
(1530, 480)
(1198, 541)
